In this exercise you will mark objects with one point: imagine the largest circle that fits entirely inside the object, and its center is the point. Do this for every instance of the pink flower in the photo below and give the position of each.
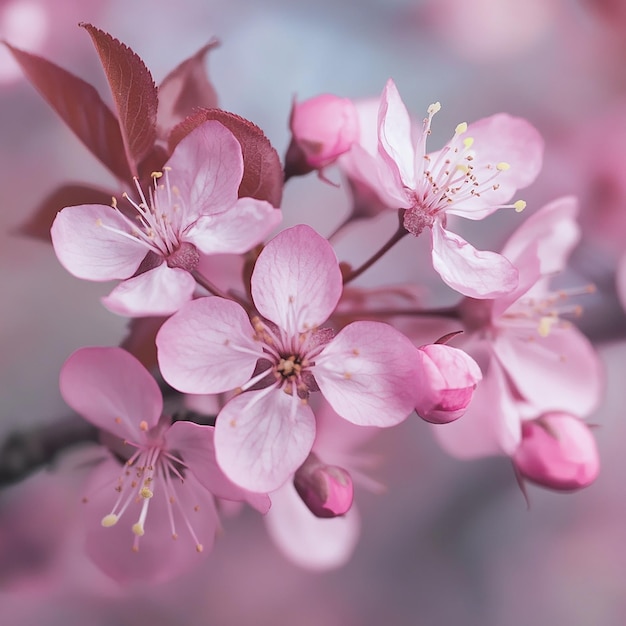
(193, 209)
(366, 372)
(533, 360)
(323, 128)
(476, 173)
(557, 451)
(447, 382)
(168, 479)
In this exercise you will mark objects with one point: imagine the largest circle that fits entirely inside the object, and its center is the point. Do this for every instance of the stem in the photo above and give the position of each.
(203, 281)
(447, 312)
(397, 236)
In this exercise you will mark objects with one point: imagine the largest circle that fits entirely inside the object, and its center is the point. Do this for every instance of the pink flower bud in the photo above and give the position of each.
(557, 451)
(323, 128)
(446, 384)
(326, 489)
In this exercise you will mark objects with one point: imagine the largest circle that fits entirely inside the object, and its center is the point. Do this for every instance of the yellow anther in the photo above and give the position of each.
(460, 128)
(468, 142)
(114, 202)
(503, 166)
(519, 206)
(138, 529)
(435, 107)
(199, 548)
(462, 168)
(156, 175)
(98, 222)
(146, 493)
(109, 520)
(545, 325)
(143, 425)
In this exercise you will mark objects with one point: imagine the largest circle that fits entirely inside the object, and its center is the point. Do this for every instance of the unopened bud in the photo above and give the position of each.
(326, 489)
(445, 386)
(557, 451)
(323, 128)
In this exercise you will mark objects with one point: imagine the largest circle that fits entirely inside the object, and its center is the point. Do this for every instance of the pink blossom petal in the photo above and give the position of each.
(491, 424)
(195, 445)
(553, 230)
(85, 247)
(207, 347)
(309, 541)
(159, 291)
(112, 390)
(262, 437)
(159, 557)
(557, 372)
(207, 168)
(474, 273)
(296, 281)
(237, 230)
(512, 140)
(394, 133)
(367, 374)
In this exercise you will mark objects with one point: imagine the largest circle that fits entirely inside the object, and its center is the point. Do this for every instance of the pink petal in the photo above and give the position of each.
(86, 249)
(309, 541)
(296, 281)
(491, 425)
(159, 291)
(558, 372)
(207, 347)
(236, 230)
(513, 140)
(262, 437)
(367, 374)
(207, 168)
(474, 273)
(160, 557)
(196, 448)
(394, 134)
(553, 230)
(111, 389)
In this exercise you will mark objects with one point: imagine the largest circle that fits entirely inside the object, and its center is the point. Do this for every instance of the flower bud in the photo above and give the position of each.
(326, 489)
(323, 128)
(446, 384)
(557, 451)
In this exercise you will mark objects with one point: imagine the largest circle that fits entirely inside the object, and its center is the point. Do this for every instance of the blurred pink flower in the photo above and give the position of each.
(366, 372)
(457, 180)
(192, 210)
(533, 361)
(168, 470)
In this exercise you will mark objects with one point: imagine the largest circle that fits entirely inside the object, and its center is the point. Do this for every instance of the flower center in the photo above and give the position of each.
(150, 470)
(159, 222)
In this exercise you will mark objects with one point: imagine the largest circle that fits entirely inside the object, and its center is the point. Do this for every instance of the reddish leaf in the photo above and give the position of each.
(134, 93)
(39, 225)
(263, 173)
(140, 341)
(185, 89)
(80, 107)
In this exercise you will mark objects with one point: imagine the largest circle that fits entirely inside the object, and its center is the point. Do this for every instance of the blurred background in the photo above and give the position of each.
(449, 542)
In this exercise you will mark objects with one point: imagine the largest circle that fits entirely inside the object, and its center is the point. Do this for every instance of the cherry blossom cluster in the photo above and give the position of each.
(280, 367)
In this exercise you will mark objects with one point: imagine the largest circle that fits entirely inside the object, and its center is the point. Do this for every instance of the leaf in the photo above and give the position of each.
(39, 225)
(185, 89)
(134, 93)
(263, 173)
(80, 107)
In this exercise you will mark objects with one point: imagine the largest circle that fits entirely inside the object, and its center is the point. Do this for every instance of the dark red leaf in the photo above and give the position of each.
(263, 173)
(39, 225)
(140, 341)
(185, 89)
(134, 93)
(80, 107)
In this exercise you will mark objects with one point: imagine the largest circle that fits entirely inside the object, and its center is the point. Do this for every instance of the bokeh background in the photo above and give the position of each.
(449, 542)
